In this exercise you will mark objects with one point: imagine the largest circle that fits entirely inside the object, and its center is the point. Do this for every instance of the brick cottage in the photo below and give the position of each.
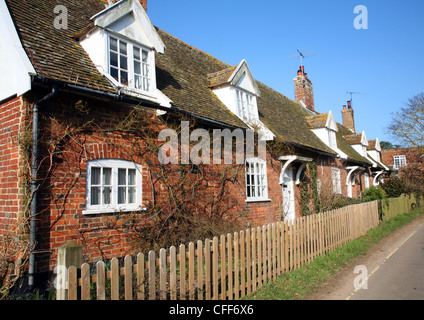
(80, 116)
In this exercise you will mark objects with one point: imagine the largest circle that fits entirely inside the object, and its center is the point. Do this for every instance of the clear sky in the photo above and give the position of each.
(384, 63)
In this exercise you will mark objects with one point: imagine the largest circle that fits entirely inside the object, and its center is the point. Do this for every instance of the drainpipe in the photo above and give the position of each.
(34, 185)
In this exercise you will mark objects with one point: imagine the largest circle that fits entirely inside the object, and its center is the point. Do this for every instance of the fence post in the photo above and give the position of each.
(69, 254)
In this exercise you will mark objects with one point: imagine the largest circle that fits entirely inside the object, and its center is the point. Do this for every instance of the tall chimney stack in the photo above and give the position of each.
(303, 89)
(348, 117)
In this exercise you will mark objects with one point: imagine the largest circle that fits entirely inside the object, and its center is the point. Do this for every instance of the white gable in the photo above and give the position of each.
(331, 122)
(15, 67)
(364, 140)
(377, 145)
(242, 78)
(128, 18)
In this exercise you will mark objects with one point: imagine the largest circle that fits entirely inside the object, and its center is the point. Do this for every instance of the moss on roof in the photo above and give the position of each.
(346, 147)
(183, 73)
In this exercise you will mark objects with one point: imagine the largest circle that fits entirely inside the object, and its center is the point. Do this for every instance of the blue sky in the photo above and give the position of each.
(383, 62)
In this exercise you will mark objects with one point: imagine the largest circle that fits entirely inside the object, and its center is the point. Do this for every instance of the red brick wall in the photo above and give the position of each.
(412, 155)
(62, 196)
(11, 162)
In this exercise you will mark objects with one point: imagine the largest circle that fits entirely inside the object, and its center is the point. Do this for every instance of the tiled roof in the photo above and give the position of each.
(317, 121)
(54, 53)
(353, 138)
(371, 144)
(183, 73)
(346, 147)
(220, 77)
(286, 119)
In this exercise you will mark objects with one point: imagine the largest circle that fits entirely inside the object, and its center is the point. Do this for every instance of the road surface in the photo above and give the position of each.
(392, 270)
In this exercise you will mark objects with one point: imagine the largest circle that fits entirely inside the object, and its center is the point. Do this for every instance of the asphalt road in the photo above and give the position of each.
(393, 270)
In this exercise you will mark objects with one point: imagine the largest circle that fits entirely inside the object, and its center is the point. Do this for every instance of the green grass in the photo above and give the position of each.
(299, 283)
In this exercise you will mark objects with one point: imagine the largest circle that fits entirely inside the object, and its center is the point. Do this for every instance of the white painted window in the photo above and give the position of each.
(129, 64)
(332, 142)
(399, 161)
(335, 174)
(113, 185)
(367, 180)
(256, 179)
(245, 104)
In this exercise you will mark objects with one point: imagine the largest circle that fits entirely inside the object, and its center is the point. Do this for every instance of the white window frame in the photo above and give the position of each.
(399, 161)
(337, 185)
(147, 66)
(332, 140)
(256, 180)
(245, 104)
(114, 165)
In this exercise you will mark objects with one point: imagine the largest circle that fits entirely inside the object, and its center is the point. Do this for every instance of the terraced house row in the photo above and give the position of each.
(81, 111)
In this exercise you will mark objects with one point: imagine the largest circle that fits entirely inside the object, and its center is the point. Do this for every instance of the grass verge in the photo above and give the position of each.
(299, 283)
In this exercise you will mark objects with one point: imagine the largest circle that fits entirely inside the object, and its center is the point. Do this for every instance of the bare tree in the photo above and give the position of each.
(407, 124)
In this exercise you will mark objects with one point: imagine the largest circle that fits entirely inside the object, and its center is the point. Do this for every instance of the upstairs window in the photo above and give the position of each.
(256, 180)
(113, 185)
(129, 64)
(399, 161)
(244, 104)
(332, 142)
(118, 60)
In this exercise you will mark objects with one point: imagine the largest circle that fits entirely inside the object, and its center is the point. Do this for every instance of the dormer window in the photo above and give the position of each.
(245, 104)
(332, 142)
(129, 64)
(118, 60)
(122, 43)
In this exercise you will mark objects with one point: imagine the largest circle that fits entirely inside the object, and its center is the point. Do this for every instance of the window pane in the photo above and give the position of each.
(107, 175)
(136, 53)
(122, 192)
(113, 44)
(124, 77)
(123, 47)
(106, 195)
(137, 67)
(114, 59)
(95, 196)
(95, 176)
(145, 55)
(146, 84)
(137, 82)
(131, 195)
(114, 73)
(124, 63)
(122, 177)
(131, 177)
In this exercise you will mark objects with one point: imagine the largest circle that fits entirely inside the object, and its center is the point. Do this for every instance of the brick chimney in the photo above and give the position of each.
(348, 117)
(303, 89)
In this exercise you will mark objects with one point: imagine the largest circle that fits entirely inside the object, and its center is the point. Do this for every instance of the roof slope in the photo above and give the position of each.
(183, 73)
(55, 53)
(286, 119)
(345, 146)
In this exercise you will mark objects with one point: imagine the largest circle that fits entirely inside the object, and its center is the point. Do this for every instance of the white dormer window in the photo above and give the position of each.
(122, 44)
(332, 142)
(129, 64)
(245, 104)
